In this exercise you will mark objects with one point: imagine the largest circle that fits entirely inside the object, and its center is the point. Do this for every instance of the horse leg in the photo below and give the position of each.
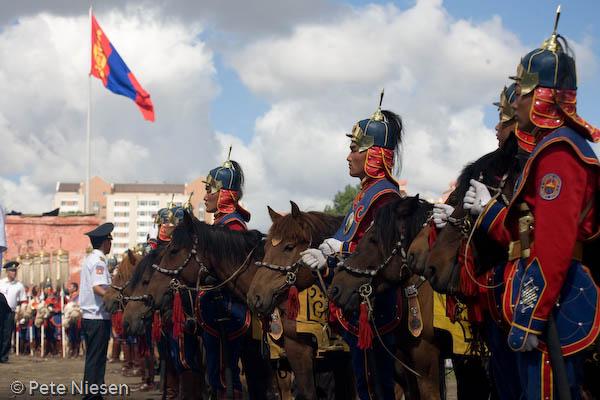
(425, 360)
(256, 368)
(300, 356)
(343, 376)
(425, 354)
(188, 383)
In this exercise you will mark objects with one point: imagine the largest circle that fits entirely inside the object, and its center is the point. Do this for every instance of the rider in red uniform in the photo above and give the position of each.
(550, 220)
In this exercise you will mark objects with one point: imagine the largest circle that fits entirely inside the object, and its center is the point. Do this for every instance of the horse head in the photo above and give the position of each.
(138, 304)
(281, 268)
(121, 275)
(380, 259)
(498, 170)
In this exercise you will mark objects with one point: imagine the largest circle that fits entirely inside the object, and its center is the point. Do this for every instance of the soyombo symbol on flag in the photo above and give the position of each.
(109, 67)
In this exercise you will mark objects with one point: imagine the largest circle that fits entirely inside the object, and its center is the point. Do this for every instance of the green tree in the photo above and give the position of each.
(342, 201)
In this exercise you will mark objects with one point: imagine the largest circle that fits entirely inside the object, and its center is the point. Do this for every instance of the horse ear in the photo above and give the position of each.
(131, 256)
(188, 221)
(273, 214)
(295, 209)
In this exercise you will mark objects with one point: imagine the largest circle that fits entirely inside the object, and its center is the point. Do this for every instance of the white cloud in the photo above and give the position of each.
(439, 74)
(45, 61)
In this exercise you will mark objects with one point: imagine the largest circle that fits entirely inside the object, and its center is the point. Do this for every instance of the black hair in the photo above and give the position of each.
(240, 173)
(394, 118)
(76, 285)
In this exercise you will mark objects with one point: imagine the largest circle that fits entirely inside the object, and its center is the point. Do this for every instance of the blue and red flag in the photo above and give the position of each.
(109, 67)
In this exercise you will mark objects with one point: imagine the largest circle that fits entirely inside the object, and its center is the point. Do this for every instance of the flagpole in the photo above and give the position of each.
(89, 127)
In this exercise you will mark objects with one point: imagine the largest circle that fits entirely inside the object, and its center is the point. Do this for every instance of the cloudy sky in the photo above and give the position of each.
(281, 80)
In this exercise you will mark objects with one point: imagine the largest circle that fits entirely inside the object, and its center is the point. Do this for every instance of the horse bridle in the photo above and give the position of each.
(290, 271)
(175, 283)
(466, 226)
(465, 223)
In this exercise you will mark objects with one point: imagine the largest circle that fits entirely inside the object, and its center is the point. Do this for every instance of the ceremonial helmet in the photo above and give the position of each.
(550, 73)
(507, 97)
(162, 216)
(228, 181)
(228, 176)
(380, 135)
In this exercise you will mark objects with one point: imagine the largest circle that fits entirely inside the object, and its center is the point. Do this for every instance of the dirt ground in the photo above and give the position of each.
(34, 370)
(58, 371)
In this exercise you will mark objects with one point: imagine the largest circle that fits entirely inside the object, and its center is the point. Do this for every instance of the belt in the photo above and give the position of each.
(514, 251)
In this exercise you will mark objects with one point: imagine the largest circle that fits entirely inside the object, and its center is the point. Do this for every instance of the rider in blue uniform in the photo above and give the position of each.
(373, 148)
(224, 318)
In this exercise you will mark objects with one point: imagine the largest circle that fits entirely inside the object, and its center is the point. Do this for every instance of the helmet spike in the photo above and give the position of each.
(551, 43)
(188, 204)
(377, 115)
(556, 19)
(228, 164)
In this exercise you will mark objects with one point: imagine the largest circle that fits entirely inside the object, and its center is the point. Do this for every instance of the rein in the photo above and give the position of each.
(498, 193)
(371, 272)
(234, 275)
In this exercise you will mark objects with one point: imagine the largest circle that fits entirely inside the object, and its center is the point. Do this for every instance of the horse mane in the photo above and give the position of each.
(491, 167)
(312, 227)
(413, 210)
(220, 242)
(145, 264)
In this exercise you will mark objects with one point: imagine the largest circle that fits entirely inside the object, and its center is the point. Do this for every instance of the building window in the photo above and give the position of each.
(145, 213)
(120, 234)
(143, 224)
(69, 203)
(121, 204)
(121, 213)
(153, 203)
(121, 224)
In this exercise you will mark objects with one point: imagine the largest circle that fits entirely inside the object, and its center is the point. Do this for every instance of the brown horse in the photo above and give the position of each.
(196, 250)
(113, 298)
(188, 384)
(379, 263)
(440, 256)
(499, 171)
(288, 236)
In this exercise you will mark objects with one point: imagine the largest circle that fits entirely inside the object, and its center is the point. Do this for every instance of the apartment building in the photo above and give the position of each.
(132, 207)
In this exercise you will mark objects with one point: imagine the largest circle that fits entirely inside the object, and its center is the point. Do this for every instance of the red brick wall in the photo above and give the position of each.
(71, 229)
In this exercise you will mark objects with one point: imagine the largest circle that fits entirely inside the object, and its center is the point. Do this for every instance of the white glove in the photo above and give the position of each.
(330, 246)
(313, 258)
(531, 342)
(441, 212)
(476, 197)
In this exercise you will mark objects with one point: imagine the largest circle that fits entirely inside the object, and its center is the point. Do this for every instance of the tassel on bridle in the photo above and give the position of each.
(293, 303)
(178, 315)
(118, 322)
(156, 327)
(293, 306)
(365, 331)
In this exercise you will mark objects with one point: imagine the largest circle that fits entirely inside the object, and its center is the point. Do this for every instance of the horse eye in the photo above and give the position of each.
(372, 240)
(174, 251)
(289, 247)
